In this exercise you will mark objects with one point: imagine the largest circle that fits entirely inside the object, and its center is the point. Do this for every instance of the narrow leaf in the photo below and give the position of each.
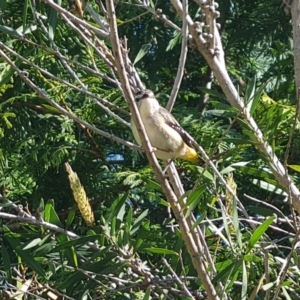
(160, 251)
(76, 242)
(259, 231)
(51, 215)
(143, 51)
(244, 282)
(10, 31)
(147, 294)
(25, 8)
(249, 93)
(115, 207)
(32, 244)
(71, 215)
(295, 168)
(6, 262)
(25, 255)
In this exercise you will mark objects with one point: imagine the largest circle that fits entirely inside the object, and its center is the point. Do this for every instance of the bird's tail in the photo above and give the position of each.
(192, 156)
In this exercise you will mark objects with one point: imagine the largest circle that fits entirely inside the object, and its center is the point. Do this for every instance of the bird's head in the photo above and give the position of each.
(142, 94)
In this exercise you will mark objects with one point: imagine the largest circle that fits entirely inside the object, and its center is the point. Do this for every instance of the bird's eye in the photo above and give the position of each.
(138, 96)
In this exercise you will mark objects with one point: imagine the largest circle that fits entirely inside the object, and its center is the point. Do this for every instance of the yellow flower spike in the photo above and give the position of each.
(80, 197)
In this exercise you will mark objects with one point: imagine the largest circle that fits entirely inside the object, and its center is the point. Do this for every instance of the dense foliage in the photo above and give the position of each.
(135, 249)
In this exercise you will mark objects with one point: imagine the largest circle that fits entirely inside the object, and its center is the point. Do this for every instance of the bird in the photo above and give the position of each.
(169, 140)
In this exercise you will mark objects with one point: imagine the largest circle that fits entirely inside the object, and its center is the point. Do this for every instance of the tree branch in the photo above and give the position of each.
(218, 67)
(195, 252)
(182, 60)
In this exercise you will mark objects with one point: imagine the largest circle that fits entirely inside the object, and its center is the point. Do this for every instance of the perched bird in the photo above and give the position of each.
(164, 132)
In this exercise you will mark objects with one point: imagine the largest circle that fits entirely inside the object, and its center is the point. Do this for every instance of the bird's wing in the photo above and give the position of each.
(172, 122)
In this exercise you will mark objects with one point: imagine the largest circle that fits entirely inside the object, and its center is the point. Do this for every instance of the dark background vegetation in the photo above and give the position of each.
(36, 140)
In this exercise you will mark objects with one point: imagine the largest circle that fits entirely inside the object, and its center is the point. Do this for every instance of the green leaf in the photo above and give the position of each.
(161, 251)
(53, 22)
(128, 225)
(227, 230)
(8, 72)
(153, 185)
(32, 244)
(232, 267)
(259, 231)
(239, 141)
(138, 221)
(51, 215)
(71, 215)
(295, 167)
(177, 248)
(199, 220)
(121, 213)
(143, 51)
(116, 207)
(244, 282)
(256, 99)
(227, 170)
(98, 267)
(25, 9)
(6, 262)
(25, 255)
(269, 187)
(10, 31)
(174, 41)
(194, 195)
(113, 226)
(45, 249)
(287, 283)
(68, 252)
(249, 93)
(252, 258)
(158, 199)
(147, 294)
(212, 93)
(206, 173)
(51, 108)
(263, 211)
(235, 219)
(193, 199)
(76, 242)
(268, 286)
(286, 293)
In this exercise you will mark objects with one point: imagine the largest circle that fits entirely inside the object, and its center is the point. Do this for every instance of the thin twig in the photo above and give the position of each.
(103, 33)
(178, 280)
(33, 220)
(77, 63)
(183, 56)
(99, 101)
(157, 16)
(285, 267)
(72, 116)
(272, 207)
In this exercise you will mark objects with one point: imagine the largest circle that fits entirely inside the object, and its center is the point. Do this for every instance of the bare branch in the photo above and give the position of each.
(178, 280)
(218, 67)
(44, 96)
(50, 226)
(99, 101)
(101, 32)
(182, 60)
